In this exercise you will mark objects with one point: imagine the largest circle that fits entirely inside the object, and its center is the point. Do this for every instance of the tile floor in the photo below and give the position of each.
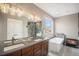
(65, 51)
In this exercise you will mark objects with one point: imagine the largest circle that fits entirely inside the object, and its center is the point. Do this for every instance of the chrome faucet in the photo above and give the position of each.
(13, 39)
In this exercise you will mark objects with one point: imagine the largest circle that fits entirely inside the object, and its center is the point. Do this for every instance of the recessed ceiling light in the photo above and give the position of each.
(57, 12)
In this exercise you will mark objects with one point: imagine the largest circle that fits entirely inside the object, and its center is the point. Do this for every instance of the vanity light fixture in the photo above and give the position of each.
(11, 9)
(4, 7)
(57, 12)
(16, 11)
(19, 12)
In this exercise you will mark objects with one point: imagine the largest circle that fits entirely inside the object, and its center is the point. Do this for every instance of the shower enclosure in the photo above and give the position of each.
(35, 29)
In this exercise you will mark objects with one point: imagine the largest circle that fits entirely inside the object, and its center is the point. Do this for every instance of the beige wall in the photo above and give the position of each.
(3, 27)
(67, 25)
(1, 21)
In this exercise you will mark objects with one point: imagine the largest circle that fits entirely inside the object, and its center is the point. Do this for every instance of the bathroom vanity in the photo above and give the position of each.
(27, 48)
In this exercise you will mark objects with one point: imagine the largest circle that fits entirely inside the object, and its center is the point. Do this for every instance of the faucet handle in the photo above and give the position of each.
(13, 38)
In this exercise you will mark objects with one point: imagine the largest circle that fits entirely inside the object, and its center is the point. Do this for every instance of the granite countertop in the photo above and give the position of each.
(24, 41)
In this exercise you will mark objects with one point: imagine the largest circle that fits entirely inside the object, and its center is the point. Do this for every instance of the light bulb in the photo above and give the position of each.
(12, 10)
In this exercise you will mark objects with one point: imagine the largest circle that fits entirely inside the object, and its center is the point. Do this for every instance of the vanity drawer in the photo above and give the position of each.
(44, 48)
(37, 46)
(38, 53)
(37, 49)
(28, 51)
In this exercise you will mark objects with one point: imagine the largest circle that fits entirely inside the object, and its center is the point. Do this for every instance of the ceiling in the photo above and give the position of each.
(59, 9)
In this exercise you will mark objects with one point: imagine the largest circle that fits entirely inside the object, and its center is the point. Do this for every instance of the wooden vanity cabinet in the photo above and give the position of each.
(41, 48)
(44, 48)
(27, 51)
(37, 49)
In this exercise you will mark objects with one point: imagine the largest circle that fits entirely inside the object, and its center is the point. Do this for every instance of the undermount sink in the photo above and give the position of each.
(8, 41)
(38, 40)
(27, 40)
(13, 47)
